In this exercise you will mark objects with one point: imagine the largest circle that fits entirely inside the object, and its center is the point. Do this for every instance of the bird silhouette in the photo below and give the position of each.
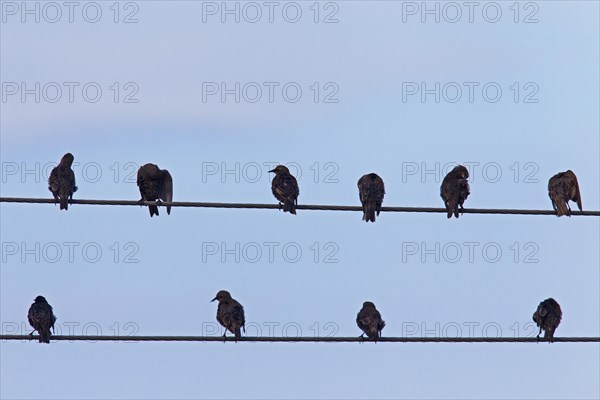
(285, 188)
(62, 181)
(41, 318)
(155, 184)
(455, 190)
(563, 187)
(230, 314)
(371, 192)
(369, 320)
(547, 317)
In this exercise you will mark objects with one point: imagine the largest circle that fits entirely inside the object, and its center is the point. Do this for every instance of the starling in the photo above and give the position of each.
(230, 314)
(155, 185)
(563, 187)
(62, 181)
(371, 192)
(455, 190)
(285, 188)
(369, 321)
(547, 317)
(41, 318)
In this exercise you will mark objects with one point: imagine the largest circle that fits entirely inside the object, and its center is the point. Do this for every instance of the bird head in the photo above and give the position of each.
(280, 169)
(461, 171)
(150, 168)
(222, 295)
(368, 304)
(40, 299)
(67, 159)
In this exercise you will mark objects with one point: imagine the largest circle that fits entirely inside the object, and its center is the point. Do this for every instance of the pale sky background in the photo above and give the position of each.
(368, 56)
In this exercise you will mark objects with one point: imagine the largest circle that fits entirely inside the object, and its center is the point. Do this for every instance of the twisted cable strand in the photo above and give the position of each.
(353, 339)
(299, 207)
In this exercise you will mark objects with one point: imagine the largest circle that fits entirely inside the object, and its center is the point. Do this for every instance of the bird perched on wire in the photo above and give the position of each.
(41, 318)
(62, 181)
(155, 184)
(285, 188)
(547, 317)
(455, 190)
(563, 187)
(371, 192)
(230, 314)
(369, 321)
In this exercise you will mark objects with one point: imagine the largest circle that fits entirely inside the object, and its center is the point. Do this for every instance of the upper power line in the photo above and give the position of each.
(299, 206)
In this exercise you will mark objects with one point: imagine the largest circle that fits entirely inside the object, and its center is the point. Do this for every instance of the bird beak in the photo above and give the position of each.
(213, 299)
(273, 170)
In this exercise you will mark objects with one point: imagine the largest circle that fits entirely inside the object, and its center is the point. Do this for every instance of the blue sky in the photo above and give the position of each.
(158, 275)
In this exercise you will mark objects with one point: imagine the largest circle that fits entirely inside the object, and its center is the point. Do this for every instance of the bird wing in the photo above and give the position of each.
(363, 319)
(31, 316)
(140, 176)
(166, 189)
(238, 313)
(575, 193)
(72, 184)
(380, 321)
(445, 189)
(554, 191)
(53, 180)
(464, 190)
(371, 189)
(286, 187)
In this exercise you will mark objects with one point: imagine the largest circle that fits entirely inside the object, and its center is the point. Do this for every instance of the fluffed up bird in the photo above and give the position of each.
(371, 192)
(155, 184)
(62, 181)
(369, 321)
(285, 188)
(563, 187)
(230, 314)
(41, 318)
(547, 317)
(455, 190)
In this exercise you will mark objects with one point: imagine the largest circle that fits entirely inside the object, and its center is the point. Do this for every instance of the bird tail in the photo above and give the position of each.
(562, 208)
(451, 208)
(456, 214)
(369, 214)
(153, 210)
(45, 336)
(549, 335)
(238, 333)
(64, 202)
(289, 206)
